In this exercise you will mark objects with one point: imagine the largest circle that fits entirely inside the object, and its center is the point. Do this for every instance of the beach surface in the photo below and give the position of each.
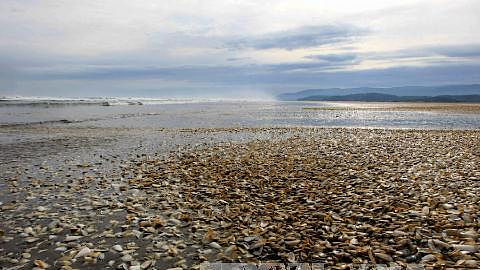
(123, 194)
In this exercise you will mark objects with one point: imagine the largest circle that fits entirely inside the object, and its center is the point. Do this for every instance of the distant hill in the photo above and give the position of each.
(379, 97)
(419, 91)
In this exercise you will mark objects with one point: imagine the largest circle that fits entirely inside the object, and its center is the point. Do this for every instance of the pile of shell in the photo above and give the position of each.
(333, 196)
(340, 198)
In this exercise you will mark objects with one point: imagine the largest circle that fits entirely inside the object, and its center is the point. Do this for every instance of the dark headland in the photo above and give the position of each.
(453, 93)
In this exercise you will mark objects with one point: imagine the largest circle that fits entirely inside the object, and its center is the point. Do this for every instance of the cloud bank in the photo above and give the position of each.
(302, 37)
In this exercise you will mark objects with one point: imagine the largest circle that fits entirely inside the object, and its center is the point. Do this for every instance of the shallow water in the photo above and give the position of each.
(230, 114)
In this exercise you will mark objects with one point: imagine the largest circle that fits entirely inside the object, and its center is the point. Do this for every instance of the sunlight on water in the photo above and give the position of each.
(185, 114)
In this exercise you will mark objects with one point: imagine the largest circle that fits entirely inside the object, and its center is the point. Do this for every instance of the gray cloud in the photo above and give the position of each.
(203, 73)
(448, 52)
(326, 70)
(305, 73)
(231, 80)
(303, 37)
(457, 50)
(454, 51)
(346, 57)
(290, 67)
(233, 59)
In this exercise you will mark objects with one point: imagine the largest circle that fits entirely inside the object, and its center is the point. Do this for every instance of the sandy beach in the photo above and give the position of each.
(470, 108)
(336, 196)
(240, 135)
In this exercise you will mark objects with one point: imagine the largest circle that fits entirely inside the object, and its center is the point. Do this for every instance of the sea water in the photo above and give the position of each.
(150, 113)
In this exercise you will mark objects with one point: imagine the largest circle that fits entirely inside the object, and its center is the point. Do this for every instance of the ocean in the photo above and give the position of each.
(157, 113)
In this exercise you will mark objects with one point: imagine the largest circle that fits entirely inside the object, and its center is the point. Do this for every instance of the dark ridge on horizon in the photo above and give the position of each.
(379, 97)
(400, 91)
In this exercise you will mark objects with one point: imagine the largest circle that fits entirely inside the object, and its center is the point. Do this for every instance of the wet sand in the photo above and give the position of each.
(464, 108)
(90, 198)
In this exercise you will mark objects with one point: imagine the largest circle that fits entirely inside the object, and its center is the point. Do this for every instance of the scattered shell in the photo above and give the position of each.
(209, 235)
(292, 243)
(83, 252)
(117, 248)
(429, 258)
(384, 257)
(335, 196)
(215, 245)
(41, 264)
(70, 238)
(146, 264)
(127, 258)
(467, 248)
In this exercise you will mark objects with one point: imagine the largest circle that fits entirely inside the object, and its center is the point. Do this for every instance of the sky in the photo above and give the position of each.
(238, 49)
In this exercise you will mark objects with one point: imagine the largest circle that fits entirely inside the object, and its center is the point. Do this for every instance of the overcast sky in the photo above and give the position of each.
(233, 48)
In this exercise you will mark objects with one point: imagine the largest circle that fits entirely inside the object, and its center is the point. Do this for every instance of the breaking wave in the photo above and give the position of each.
(107, 101)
